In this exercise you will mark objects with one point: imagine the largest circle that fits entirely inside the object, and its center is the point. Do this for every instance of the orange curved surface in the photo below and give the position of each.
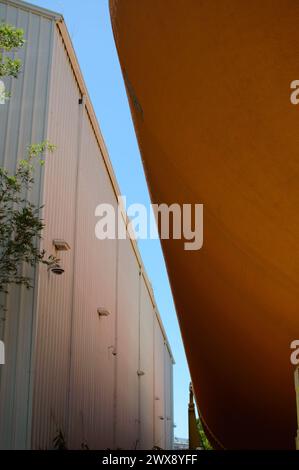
(209, 89)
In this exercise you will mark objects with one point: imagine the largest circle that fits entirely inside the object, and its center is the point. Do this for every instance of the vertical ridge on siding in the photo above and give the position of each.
(159, 370)
(93, 362)
(146, 381)
(127, 350)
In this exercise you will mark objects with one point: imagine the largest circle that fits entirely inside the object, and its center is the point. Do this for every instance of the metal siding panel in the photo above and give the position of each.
(127, 348)
(147, 317)
(93, 362)
(56, 293)
(22, 5)
(22, 121)
(159, 387)
(168, 400)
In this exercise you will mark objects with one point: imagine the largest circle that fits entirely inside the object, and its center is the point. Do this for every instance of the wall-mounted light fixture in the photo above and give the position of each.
(103, 312)
(61, 245)
(56, 269)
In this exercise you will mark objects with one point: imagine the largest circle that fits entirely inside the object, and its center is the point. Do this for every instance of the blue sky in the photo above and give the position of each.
(91, 33)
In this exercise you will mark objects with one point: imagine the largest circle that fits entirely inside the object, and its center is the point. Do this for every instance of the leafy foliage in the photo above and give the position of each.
(203, 438)
(20, 223)
(11, 39)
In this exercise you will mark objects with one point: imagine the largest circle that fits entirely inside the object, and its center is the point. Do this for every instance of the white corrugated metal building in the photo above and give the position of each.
(68, 369)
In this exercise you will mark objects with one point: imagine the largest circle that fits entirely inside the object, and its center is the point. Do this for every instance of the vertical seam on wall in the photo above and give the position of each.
(79, 155)
(139, 358)
(115, 365)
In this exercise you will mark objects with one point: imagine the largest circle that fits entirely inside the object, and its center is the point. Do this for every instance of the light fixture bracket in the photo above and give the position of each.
(103, 312)
(61, 245)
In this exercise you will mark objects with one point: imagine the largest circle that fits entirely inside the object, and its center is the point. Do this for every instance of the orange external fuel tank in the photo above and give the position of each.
(209, 89)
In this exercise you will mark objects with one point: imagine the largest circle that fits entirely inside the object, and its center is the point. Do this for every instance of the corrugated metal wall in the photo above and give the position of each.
(92, 355)
(159, 380)
(146, 348)
(168, 393)
(95, 378)
(127, 348)
(23, 120)
(55, 300)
